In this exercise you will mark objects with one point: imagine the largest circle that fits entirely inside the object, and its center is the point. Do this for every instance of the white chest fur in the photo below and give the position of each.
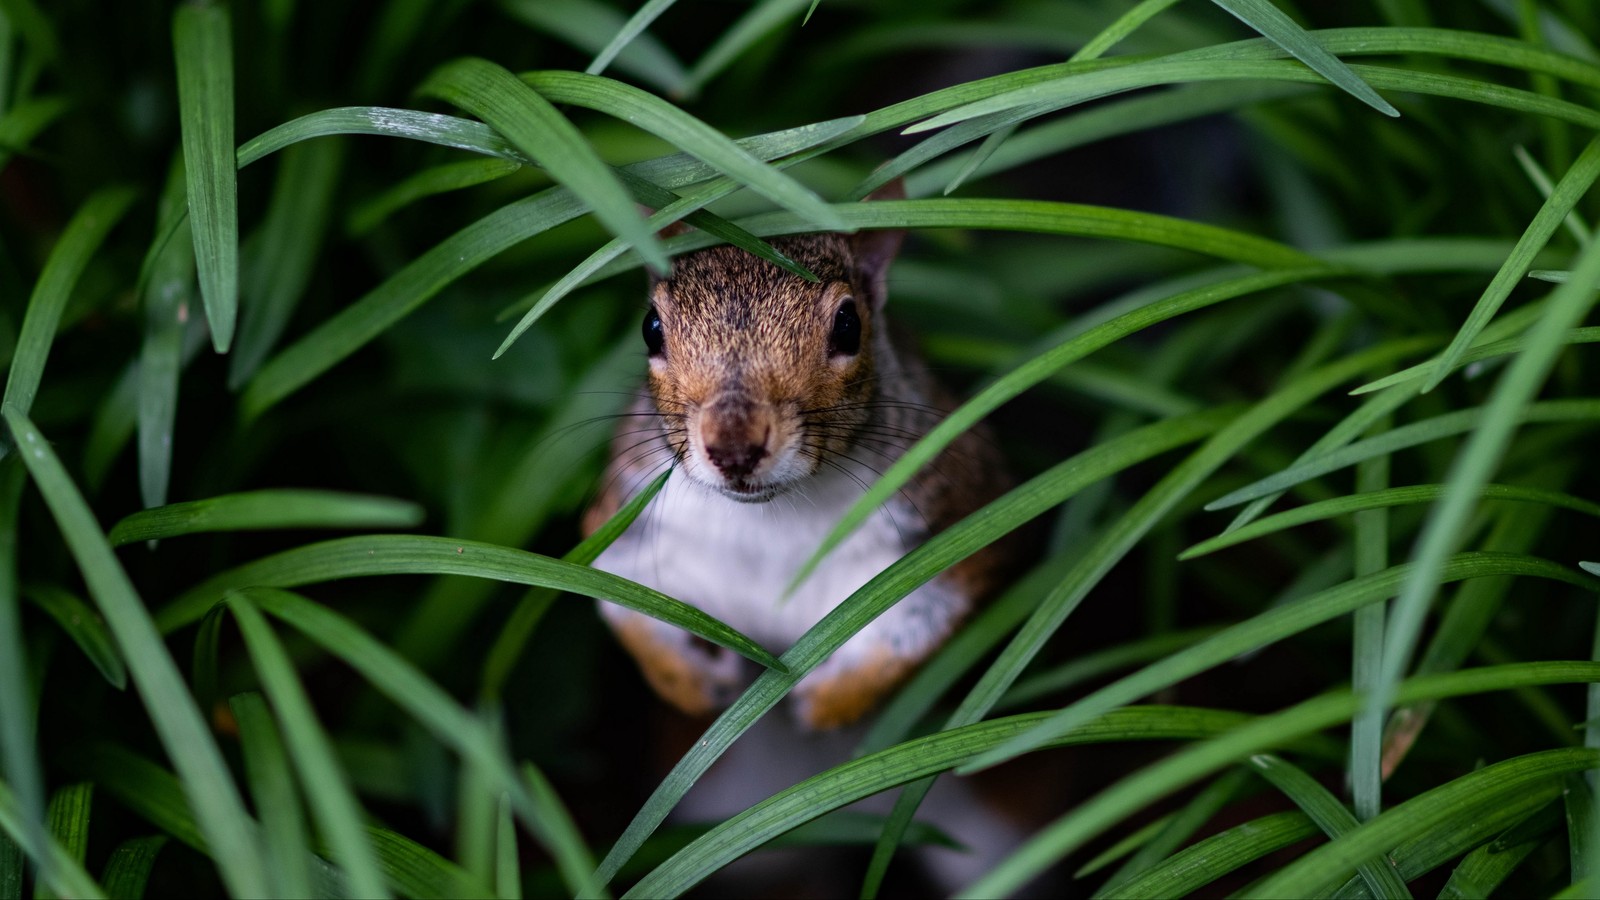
(735, 560)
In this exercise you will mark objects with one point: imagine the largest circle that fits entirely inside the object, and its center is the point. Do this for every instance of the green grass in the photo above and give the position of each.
(1283, 312)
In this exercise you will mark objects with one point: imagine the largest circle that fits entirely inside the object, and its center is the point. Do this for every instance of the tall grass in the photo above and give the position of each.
(1284, 314)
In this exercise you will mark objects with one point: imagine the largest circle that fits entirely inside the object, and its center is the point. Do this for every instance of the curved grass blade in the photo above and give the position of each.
(430, 705)
(279, 258)
(1384, 499)
(513, 636)
(84, 626)
(926, 561)
(61, 869)
(338, 813)
(1568, 191)
(1459, 800)
(1471, 420)
(71, 254)
(1199, 760)
(128, 869)
(1331, 816)
(1194, 867)
(1482, 871)
(533, 126)
(206, 781)
(1087, 668)
(649, 12)
(272, 508)
(268, 772)
(907, 762)
(1491, 350)
(688, 134)
(1509, 403)
(23, 122)
(1177, 829)
(1282, 30)
(1530, 167)
(202, 42)
(355, 557)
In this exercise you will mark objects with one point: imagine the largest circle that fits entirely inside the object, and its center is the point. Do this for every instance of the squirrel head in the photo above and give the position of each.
(760, 376)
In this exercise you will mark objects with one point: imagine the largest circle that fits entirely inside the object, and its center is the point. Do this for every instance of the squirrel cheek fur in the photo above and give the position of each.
(779, 400)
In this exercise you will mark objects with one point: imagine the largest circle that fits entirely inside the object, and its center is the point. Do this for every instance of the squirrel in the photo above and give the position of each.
(779, 401)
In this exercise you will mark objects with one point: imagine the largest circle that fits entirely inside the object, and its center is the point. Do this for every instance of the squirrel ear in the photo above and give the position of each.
(874, 250)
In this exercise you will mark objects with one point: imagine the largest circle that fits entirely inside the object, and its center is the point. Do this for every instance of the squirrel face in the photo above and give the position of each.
(762, 378)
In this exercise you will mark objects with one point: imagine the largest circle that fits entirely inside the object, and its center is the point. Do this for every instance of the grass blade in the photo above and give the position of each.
(1572, 187)
(268, 772)
(590, 24)
(533, 126)
(202, 41)
(168, 287)
(128, 869)
(206, 781)
(1331, 816)
(69, 876)
(337, 812)
(19, 758)
(71, 254)
(414, 554)
(267, 509)
(763, 19)
(1271, 21)
(68, 822)
(368, 214)
(649, 12)
(1196, 866)
(84, 626)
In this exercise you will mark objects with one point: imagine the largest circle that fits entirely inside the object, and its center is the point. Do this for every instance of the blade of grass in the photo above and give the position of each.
(67, 873)
(368, 214)
(1179, 828)
(338, 814)
(71, 254)
(128, 870)
(84, 626)
(18, 748)
(415, 554)
(1277, 27)
(1511, 400)
(1331, 816)
(271, 508)
(1196, 866)
(1573, 222)
(589, 25)
(1384, 499)
(762, 20)
(648, 12)
(268, 772)
(1490, 350)
(206, 781)
(1572, 187)
(1366, 730)
(168, 275)
(67, 820)
(202, 43)
(536, 128)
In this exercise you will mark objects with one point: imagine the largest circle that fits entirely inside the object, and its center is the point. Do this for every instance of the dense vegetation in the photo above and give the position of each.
(1300, 391)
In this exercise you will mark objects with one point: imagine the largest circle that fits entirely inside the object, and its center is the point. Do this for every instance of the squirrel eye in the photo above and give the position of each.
(654, 339)
(846, 337)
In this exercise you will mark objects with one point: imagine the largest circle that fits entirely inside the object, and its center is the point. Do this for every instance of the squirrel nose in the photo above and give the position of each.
(734, 434)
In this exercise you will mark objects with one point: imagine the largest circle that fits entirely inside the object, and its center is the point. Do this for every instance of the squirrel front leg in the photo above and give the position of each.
(879, 657)
(697, 677)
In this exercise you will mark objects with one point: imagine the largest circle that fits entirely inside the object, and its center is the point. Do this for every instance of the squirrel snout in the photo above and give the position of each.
(735, 433)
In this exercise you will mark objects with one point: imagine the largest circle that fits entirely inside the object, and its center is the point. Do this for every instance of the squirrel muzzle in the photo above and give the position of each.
(740, 440)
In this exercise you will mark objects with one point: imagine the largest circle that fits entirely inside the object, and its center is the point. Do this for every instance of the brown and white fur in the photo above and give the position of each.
(777, 422)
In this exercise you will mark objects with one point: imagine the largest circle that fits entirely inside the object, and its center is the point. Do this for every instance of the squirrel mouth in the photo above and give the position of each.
(749, 492)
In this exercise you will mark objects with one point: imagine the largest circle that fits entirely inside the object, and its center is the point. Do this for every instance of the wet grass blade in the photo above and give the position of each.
(202, 41)
(71, 254)
(273, 508)
(206, 780)
(1271, 21)
(337, 812)
(533, 126)
(413, 554)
